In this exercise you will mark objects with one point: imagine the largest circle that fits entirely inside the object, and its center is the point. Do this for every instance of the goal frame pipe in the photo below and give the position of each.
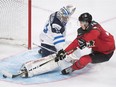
(29, 23)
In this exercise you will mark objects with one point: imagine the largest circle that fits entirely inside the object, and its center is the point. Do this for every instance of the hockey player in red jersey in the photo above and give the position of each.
(91, 35)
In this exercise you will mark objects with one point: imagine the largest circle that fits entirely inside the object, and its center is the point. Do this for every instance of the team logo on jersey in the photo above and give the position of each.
(90, 44)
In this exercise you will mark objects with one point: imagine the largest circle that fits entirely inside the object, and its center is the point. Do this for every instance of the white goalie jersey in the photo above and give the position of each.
(54, 32)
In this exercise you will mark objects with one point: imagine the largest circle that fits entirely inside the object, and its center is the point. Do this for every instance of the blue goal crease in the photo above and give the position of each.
(13, 64)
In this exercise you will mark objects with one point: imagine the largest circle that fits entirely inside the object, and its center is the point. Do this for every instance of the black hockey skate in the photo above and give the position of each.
(66, 71)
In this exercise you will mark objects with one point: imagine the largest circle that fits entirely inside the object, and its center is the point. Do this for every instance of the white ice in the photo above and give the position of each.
(103, 11)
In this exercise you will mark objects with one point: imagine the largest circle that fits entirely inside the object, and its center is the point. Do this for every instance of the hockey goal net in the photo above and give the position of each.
(15, 22)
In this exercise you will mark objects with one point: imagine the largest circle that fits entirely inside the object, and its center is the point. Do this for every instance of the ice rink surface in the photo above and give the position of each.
(103, 11)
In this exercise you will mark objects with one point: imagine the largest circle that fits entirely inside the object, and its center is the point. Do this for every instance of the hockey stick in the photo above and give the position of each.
(44, 48)
(46, 62)
(10, 75)
(53, 51)
(51, 60)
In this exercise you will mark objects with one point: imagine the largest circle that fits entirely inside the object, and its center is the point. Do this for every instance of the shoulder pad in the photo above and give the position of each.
(80, 31)
(93, 23)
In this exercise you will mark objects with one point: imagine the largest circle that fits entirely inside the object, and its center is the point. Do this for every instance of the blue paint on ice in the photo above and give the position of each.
(13, 63)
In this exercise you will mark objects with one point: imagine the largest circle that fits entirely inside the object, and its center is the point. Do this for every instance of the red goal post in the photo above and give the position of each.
(29, 23)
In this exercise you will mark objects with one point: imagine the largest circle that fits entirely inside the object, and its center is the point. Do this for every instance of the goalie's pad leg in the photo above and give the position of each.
(33, 68)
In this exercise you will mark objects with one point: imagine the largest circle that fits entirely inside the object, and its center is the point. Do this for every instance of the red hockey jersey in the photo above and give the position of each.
(103, 40)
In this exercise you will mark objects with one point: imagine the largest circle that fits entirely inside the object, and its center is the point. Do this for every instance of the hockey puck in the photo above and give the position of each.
(4, 76)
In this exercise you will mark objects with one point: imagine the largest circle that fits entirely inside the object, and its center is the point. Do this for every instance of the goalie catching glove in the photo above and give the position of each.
(60, 56)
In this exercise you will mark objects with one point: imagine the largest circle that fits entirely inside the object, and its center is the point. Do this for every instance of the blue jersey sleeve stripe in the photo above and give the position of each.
(60, 41)
(58, 37)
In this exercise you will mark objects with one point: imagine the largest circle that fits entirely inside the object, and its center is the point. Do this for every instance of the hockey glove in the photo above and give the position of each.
(60, 56)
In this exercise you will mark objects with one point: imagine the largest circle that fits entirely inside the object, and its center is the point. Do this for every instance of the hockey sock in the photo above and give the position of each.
(82, 62)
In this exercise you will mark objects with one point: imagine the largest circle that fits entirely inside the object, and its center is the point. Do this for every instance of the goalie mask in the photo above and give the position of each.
(66, 12)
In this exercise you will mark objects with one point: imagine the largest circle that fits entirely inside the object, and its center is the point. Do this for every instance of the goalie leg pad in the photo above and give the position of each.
(33, 68)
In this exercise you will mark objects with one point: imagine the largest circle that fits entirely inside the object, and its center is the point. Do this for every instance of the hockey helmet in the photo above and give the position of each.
(65, 13)
(85, 17)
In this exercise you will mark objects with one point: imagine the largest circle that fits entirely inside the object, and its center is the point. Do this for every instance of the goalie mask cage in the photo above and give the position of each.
(15, 22)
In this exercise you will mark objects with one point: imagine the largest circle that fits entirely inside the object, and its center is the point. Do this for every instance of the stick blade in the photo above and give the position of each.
(6, 74)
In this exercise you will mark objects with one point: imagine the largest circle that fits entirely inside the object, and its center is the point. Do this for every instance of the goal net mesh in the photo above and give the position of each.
(14, 22)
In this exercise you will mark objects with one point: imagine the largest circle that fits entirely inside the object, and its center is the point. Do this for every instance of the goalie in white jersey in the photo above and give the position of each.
(53, 35)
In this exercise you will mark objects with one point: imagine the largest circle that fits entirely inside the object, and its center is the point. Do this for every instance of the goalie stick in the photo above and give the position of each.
(53, 50)
(7, 74)
(44, 48)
